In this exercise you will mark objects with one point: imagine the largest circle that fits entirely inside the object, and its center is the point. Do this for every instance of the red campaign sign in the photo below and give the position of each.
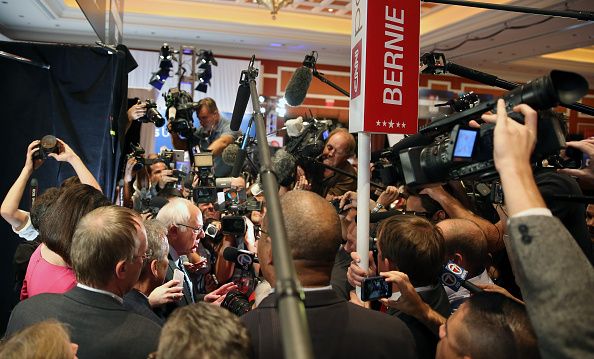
(389, 66)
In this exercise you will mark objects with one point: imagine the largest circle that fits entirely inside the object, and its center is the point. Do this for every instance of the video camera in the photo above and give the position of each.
(448, 149)
(182, 123)
(310, 141)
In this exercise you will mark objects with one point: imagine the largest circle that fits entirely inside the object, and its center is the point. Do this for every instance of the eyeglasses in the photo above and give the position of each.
(145, 255)
(194, 229)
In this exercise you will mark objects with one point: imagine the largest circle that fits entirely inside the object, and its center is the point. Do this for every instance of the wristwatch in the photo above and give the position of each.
(377, 208)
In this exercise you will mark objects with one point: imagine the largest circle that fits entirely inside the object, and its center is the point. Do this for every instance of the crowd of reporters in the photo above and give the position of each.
(151, 281)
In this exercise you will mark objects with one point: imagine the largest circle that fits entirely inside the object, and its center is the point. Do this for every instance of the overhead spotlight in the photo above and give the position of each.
(204, 73)
(165, 65)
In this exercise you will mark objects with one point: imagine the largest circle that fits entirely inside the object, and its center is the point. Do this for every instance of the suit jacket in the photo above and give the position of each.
(165, 310)
(557, 283)
(338, 329)
(425, 339)
(138, 303)
(99, 324)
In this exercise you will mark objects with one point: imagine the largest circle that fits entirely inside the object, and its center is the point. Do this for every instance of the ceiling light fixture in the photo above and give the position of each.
(204, 74)
(274, 5)
(165, 65)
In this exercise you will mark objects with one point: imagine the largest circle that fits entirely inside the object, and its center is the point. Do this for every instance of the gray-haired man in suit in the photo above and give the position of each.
(107, 252)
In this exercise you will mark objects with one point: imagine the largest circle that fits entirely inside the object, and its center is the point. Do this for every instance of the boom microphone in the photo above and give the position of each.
(241, 101)
(241, 257)
(454, 277)
(297, 87)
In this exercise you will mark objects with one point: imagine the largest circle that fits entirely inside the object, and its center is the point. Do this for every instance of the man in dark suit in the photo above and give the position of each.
(152, 276)
(183, 220)
(554, 275)
(338, 329)
(107, 251)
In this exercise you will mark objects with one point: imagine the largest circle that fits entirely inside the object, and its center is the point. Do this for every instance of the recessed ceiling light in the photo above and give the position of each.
(330, 10)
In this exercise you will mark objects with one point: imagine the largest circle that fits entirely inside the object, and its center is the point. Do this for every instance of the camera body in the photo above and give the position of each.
(373, 288)
(48, 144)
(184, 106)
(152, 115)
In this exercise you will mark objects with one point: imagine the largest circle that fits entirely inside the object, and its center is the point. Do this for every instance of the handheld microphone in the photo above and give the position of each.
(240, 257)
(229, 154)
(454, 277)
(34, 186)
(241, 101)
(298, 85)
(121, 193)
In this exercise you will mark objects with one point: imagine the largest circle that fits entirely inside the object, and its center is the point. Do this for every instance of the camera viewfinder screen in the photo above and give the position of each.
(465, 143)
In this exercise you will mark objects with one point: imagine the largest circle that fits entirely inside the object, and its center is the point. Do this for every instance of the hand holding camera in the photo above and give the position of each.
(32, 163)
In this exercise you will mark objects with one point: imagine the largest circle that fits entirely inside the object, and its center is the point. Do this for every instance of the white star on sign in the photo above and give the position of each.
(403, 124)
(398, 124)
(391, 124)
(384, 123)
(378, 123)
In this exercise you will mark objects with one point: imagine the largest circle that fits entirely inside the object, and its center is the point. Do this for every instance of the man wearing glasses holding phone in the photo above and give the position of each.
(184, 224)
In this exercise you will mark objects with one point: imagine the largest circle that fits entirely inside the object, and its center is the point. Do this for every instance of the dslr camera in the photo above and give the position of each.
(152, 115)
(48, 144)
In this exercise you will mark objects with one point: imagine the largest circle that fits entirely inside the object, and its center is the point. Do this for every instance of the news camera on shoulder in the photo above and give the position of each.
(449, 149)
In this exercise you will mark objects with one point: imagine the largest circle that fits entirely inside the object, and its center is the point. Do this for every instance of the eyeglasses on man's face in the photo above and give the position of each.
(194, 229)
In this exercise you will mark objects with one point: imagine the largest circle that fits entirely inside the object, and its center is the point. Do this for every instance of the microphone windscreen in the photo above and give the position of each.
(158, 202)
(171, 113)
(241, 101)
(230, 254)
(297, 87)
(418, 139)
(34, 182)
(284, 165)
(294, 127)
(239, 161)
(229, 154)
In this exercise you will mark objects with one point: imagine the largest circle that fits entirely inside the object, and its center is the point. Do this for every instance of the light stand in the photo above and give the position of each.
(294, 331)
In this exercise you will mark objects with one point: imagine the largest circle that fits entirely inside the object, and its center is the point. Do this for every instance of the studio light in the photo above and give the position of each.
(204, 73)
(165, 65)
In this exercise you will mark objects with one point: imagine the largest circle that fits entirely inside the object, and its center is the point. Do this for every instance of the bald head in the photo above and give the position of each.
(466, 238)
(313, 226)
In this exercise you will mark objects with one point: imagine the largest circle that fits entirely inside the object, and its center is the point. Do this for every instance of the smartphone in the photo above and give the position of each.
(373, 288)
(179, 276)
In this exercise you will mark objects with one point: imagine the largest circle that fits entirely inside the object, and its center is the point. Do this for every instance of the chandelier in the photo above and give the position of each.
(274, 5)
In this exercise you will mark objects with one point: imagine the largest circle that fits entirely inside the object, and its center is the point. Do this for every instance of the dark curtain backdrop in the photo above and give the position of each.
(79, 100)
